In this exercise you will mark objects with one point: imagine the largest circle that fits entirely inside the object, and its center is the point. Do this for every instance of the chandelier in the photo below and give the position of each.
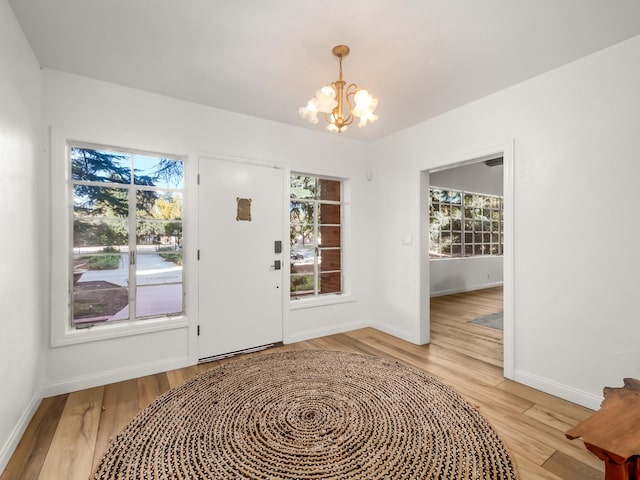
(330, 100)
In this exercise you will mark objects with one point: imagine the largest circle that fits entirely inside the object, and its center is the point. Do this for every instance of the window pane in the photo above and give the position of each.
(100, 202)
(302, 235)
(91, 306)
(329, 236)
(329, 260)
(455, 197)
(328, 214)
(158, 172)
(108, 265)
(159, 205)
(93, 165)
(330, 282)
(301, 212)
(93, 235)
(153, 235)
(456, 250)
(303, 186)
(158, 268)
(158, 300)
(329, 189)
(301, 285)
(302, 259)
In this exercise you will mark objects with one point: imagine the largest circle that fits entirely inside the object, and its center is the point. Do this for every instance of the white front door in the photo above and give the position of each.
(240, 287)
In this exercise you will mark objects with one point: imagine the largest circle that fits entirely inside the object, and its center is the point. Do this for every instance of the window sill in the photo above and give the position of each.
(322, 301)
(472, 257)
(130, 328)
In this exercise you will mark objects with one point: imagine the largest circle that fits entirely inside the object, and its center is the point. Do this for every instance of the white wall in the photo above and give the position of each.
(453, 275)
(21, 293)
(577, 170)
(475, 177)
(111, 114)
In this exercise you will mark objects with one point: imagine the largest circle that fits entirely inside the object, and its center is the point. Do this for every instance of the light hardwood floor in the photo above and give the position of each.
(69, 433)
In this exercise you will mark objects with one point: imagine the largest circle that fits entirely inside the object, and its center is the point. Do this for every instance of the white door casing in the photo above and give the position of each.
(240, 297)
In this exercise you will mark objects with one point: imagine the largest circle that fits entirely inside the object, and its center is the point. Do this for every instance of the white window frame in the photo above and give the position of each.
(345, 296)
(62, 331)
(463, 231)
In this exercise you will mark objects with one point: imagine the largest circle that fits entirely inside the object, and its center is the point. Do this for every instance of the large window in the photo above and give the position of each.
(316, 236)
(126, 253)
(464, 224)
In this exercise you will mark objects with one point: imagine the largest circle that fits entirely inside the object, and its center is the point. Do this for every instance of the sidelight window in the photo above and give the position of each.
(316, 210)
(126, 252)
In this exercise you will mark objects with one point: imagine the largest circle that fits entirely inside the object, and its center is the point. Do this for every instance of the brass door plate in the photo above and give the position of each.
(244, 209)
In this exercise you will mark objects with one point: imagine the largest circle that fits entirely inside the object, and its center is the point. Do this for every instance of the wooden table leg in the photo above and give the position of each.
(630, 470)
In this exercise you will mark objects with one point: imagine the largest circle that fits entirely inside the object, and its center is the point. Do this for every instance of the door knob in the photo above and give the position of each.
(276, 265)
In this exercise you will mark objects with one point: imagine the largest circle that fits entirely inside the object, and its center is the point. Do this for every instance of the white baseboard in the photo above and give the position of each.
(440, 293)
(12, 442)
(111, 376)
(557, 389)
(396, 332)
(322, 332)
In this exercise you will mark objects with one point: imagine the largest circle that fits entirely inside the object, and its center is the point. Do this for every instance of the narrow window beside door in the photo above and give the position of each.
(126, 252)
(315, 236)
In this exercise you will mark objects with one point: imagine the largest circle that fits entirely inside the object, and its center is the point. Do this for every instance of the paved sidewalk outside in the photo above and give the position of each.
(159, 285)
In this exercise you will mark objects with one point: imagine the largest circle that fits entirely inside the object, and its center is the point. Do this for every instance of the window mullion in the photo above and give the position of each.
(316, 266)
(132, 247)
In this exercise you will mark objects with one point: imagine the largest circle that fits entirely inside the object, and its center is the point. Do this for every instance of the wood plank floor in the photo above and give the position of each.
(69, 433)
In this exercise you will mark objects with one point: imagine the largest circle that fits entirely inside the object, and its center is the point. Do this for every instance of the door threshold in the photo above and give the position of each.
(213, 358)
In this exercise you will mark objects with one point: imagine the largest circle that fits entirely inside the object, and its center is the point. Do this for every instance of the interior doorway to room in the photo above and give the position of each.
(240, 267)
(465, 207)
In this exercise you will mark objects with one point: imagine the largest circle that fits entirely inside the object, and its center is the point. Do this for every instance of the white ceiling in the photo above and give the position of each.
(267, 58)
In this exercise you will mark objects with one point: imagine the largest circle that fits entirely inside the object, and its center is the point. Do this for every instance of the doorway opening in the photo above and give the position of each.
(466, 257)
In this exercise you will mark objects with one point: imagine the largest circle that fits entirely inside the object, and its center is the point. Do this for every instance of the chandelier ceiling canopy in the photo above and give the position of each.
(341, 105)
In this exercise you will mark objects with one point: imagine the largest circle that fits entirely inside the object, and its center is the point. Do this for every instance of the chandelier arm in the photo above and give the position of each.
(351, 91)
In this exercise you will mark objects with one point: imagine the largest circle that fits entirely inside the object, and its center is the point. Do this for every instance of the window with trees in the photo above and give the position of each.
(464, 224)
(126, 252)
(315, 236)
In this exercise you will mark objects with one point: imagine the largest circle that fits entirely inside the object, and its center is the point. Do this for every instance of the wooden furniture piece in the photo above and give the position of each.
(613, 432)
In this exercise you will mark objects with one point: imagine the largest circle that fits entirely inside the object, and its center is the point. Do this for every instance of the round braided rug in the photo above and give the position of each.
(308, 415)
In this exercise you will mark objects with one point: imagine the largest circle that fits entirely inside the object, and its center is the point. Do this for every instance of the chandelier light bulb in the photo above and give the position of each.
(341, 105)
(310, 112)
